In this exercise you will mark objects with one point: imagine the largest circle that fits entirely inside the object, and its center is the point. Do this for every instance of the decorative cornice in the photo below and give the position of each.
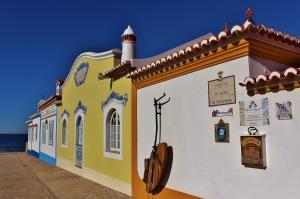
(65, 113)
(80, 106)
(115, 96)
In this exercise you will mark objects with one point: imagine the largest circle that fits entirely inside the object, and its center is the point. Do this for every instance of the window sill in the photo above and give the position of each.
(112, 155)
(64, 146)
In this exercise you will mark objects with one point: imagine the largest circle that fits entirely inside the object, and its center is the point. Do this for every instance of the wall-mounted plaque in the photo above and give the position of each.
(222, 132)
(218, 113)
(254, 112)
(284, 110)
(222, 91)
(253, 149)
(81, 73)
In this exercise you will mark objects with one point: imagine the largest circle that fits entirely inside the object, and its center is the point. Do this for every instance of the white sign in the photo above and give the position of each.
(284, 110)
(254, 112)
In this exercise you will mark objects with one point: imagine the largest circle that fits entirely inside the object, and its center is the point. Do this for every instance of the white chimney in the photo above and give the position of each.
(128, 45)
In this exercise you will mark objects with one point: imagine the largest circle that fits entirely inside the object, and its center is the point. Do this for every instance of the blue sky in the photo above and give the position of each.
(39, 40)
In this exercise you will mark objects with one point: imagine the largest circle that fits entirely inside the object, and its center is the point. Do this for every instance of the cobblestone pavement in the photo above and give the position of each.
(25, 177)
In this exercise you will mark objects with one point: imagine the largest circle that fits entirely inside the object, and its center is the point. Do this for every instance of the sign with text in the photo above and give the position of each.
(253, 150)
(222, 91)
(254, 112)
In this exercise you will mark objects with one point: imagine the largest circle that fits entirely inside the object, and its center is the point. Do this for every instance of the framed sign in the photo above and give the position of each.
(222, 91)
(284, 110)
(254, 112)
(222, 132)
(253, 148)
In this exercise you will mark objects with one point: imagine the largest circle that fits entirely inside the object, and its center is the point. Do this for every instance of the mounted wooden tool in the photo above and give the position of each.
(158, 166)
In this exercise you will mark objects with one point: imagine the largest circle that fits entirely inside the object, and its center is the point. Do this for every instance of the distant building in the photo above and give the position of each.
(29, 135)
(33, 142)
(48, 133)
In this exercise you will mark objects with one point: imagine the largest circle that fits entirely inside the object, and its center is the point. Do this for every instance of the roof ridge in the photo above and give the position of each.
(248, 26)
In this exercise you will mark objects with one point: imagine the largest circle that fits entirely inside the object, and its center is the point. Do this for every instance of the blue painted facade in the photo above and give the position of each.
(34, 153)
(47, 158)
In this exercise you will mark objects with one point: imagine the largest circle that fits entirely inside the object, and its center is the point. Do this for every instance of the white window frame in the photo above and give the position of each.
(64, 118)
(118, 106)
(80, 113)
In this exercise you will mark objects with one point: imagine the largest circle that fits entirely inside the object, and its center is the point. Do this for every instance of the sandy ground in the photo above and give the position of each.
(25, 177)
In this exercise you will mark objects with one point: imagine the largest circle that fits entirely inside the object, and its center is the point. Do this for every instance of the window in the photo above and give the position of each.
(79, 130)
(79, 136)
(64, 128)
(64, 132)
(51, 129)
(43, 132)
(79, 112)
(113, 131)
(112, 109)
(32, 136)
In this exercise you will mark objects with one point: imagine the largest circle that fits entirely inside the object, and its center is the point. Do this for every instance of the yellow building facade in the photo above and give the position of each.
(94, 122)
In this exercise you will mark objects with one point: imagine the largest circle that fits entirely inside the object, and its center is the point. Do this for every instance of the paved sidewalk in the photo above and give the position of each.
(25, 177)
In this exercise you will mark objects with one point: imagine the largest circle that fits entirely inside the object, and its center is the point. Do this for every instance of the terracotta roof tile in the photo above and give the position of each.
(247, 27)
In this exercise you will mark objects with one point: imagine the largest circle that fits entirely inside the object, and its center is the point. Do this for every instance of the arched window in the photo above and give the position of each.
(113, 131)
(113, 108)
(64, 132)
(79, 113)
(79, 130)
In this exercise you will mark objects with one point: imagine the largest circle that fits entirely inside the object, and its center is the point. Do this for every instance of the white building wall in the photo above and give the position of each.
(204, 168)
(49, 114)
(36, 130)
(29, 143)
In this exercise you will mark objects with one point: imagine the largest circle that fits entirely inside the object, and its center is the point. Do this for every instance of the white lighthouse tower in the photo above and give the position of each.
(128, 45)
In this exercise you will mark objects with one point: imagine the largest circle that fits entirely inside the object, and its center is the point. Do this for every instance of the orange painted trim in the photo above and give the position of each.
(219, 56)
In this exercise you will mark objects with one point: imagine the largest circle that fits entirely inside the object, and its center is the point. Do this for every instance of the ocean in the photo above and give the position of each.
(13, 142)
